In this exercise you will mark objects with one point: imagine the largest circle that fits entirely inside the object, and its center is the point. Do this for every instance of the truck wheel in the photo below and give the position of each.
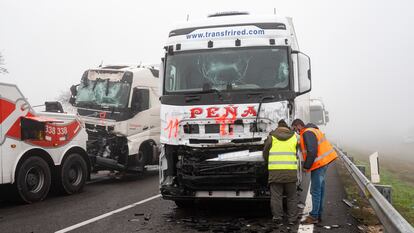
(73, 174)
(33, 179)
(142, 158)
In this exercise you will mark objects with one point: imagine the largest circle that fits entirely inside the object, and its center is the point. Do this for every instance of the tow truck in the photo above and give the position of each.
(39, 148)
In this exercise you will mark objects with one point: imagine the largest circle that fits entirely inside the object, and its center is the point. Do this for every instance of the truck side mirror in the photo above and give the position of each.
(140, 100)
(73, 92)
(303, 65)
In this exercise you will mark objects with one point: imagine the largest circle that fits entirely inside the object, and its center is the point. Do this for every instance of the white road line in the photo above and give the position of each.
(106, 215)
(308, 207)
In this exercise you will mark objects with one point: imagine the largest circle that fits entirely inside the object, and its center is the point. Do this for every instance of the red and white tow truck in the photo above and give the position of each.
(39, 148)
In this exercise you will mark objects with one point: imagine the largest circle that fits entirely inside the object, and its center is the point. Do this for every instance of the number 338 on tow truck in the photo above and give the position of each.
(38, 148)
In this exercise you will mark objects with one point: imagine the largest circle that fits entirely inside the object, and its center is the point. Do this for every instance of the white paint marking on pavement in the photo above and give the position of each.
(308, 207)
(106, 215)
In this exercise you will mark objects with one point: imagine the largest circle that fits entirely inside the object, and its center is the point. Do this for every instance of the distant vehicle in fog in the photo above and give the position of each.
(318, 113)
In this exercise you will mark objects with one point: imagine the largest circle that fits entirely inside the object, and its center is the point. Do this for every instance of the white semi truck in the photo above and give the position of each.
(226, 82)
(318, 113)
(120, 107)
(38, 148)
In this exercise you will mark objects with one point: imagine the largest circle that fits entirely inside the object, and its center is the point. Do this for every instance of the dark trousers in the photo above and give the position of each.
(276, 200)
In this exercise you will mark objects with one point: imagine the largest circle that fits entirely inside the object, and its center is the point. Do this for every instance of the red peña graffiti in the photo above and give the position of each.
(213, 112)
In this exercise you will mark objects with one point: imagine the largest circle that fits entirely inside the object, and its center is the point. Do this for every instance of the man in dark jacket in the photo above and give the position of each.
(318, 153)
(280, 154)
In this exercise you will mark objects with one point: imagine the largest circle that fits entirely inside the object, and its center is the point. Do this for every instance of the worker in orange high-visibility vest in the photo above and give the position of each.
(317, 153)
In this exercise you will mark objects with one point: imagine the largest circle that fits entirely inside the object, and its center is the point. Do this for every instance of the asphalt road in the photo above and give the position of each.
(133, 205)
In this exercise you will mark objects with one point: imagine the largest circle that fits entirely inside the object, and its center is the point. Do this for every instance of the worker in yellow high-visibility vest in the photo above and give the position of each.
(280, 154)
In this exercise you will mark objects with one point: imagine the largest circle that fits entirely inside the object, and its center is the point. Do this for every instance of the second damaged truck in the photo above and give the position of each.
(120, 107)
(226, 82)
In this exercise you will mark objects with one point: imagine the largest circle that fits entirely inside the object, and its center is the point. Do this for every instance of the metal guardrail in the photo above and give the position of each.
(392, 221)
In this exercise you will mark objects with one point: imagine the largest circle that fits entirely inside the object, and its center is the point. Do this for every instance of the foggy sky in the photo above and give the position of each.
(362, 53)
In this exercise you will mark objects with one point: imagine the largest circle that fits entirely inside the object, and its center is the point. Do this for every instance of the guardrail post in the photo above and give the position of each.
(362, 169)
(386, 191)
(374, 167)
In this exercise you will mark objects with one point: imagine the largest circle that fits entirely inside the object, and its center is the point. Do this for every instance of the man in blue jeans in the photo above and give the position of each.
(317, 153)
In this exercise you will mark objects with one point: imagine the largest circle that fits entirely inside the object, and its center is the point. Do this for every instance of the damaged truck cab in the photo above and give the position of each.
(226, 82)
(120, 108)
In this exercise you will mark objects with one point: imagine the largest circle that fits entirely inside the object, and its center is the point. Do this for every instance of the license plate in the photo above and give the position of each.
(225, 194)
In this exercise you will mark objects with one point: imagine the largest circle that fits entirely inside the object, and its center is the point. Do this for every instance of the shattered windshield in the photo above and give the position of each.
(227, 69)
(103, 93)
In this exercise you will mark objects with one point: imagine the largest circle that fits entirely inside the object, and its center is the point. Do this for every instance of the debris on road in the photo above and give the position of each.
(147, 217)
(348, 203)
(133, 220)
(254, 225)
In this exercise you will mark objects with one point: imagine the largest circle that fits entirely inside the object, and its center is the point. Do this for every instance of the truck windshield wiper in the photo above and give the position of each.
(256, 123)
(86, 104)
(211, 90)
(195, 95)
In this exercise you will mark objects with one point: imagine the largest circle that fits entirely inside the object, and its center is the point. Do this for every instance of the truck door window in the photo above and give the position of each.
(171, 76)
(140, 100)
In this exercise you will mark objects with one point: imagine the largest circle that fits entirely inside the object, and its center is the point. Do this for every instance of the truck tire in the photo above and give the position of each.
(33, 179)
(143, 157)
(73, 174)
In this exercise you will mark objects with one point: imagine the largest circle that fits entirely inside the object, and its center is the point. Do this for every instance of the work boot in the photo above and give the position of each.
(310, 220)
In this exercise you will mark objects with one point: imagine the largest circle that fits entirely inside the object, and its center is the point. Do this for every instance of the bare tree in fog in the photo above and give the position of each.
(2, 69)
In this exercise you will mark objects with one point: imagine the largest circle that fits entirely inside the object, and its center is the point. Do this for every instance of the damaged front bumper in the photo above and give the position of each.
(244, 180)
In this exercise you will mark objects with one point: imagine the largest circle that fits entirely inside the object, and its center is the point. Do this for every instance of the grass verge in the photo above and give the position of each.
(402, 194)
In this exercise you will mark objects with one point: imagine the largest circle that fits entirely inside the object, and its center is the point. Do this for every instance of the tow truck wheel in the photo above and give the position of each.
(33, 179)
(73, 174)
